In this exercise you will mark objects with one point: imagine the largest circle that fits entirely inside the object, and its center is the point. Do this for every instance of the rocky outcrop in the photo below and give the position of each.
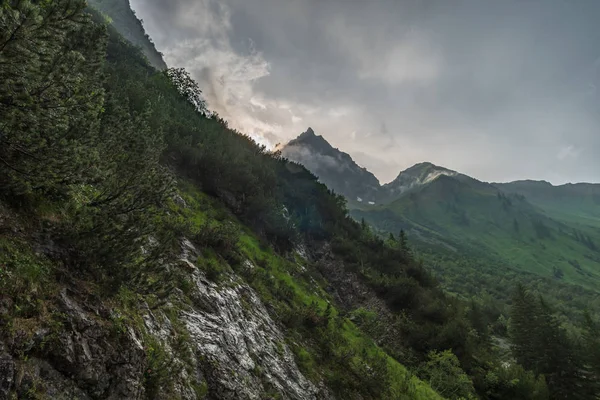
(78, 358)
(215, 341)
(241, 348)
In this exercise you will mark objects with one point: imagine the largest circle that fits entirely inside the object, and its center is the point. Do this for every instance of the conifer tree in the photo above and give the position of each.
(404, 249)
(542, 346)
(522, 328)
(50, 94)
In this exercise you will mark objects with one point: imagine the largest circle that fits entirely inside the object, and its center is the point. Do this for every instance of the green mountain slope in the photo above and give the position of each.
(578, 203)
(481, 238)
(476, 217)
(147, 251)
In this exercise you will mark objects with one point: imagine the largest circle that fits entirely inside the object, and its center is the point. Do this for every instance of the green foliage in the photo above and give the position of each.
(50, 96)
(213, 269)
(159, 368)
(514, 382)
(326, 344)
(187, 87)
(445, 376)
(63, 138)
(24, 277)
(542, 346)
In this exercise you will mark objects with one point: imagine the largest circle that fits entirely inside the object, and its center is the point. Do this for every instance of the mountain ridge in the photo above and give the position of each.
(125, 21)
(526, 226)
(418, 174)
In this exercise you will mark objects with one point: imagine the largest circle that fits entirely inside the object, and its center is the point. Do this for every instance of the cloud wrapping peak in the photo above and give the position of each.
(497, 90)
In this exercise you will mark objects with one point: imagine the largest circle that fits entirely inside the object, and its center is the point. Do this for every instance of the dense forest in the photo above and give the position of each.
(108, 166)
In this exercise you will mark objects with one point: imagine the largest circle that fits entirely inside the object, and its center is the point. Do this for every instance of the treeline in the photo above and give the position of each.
(93, 138)
(571, 366)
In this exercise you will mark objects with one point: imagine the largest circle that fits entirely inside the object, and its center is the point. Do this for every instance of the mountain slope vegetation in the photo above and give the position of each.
(149, 251)
(578, 203)
(481, 239)
(507, 228)
(522, 230)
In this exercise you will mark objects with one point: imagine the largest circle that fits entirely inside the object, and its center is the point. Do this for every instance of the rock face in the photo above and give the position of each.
(7, 373)
(217, 341)
(240, 347)
(79, 359)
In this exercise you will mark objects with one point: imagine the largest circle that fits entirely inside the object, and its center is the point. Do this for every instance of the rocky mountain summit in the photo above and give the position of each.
(333, 167)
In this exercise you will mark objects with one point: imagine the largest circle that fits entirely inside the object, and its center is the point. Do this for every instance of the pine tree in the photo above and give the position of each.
(187, 87)
(522, 328)
(403, 243)
(50, 95)
(542, 346)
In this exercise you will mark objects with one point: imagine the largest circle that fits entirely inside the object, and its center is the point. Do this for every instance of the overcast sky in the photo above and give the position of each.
(497, 89)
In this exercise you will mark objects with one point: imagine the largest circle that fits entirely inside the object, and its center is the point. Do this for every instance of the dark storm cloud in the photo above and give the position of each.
(496, 89)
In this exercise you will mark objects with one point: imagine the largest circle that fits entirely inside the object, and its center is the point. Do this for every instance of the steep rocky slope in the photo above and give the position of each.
(200, 332)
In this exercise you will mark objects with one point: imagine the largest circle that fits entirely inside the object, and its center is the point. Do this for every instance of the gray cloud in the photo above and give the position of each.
(499, 90)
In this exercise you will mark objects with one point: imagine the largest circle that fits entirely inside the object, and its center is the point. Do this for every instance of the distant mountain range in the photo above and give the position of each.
(531, 227)
(340, 172)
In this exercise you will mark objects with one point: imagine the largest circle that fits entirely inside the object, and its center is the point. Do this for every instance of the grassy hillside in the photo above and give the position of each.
(573, 203)
(92, 228)
(501, 233)
(315, 326)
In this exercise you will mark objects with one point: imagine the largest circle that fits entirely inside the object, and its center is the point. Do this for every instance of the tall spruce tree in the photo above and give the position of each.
(522, 328)
(541, 345)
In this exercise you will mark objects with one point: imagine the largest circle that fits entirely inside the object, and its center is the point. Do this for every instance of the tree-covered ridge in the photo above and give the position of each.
(99, 213)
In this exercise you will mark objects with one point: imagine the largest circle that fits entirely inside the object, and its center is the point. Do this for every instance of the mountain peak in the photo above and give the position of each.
(313, 141)
(308, 134)
(333, 167)
(418, 175)
(426, 165)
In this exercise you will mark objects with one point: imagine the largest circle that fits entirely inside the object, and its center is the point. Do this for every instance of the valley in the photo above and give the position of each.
(521, 231)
